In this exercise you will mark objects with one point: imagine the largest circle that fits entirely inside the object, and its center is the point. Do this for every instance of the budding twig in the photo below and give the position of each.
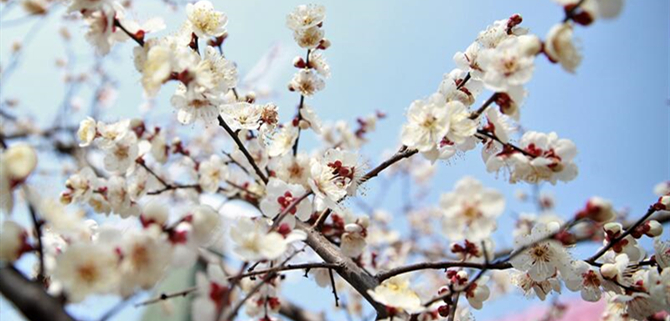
(609, 245)
(166, 296)
(300, 105)
(242, 148)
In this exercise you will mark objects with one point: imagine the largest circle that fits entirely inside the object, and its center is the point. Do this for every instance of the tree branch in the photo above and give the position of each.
(358, 278)
(30, 297)
(403, 153)
(243, 148)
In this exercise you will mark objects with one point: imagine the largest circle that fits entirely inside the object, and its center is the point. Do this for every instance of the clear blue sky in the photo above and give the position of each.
(387, 53)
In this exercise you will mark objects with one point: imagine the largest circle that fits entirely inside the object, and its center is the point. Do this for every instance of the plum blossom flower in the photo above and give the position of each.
(253, 241)
(282, 141)
(223, 71)
(306, 82)
(241, 115)
(211, 173)
(561, 48)
(470, 211)
(205, 222)
(510, 64)
(593, 9)
(501, 30)
(598, 209)
(587, 280)
(194, 107)
(122, 154)
(16, 164)
(427, 123)
(309, 38)
(13, 241)
(87, 131)
(662, 188)
(279, 196)
(478, 292)
(546, 158)
(80, 186)
(305, 16)
(145, 256)
(87, 268)
(396, 293)
(310, 119)
(543, 259)
(355, 232)
(318, 62)
(210, 295)
(452, 89)
(101, 31)
(531, 287)
(206, 21)
(627, 245)
(662, 252)
(155, 66)
(292, 169)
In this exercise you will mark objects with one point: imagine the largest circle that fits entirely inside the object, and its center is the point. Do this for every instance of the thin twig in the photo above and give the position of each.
(290, 267)
(332, 284)
(403, 153)
(166, 296)
(618, 239)
(40, 247)
(242, 148)
(300, 105)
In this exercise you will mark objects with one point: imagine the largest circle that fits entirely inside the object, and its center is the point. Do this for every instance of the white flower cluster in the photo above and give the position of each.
(501, 60)
(153, 222)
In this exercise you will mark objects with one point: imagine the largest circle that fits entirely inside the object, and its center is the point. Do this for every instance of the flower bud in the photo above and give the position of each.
(324, 44)
(18, 162)
(609, 271)
(613, 228)
(655, 228)
(298, 62)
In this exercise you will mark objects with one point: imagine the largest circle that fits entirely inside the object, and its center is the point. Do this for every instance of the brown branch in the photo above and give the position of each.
(509, 145)
(290, 267)
(486, 104)
(291, 311)
(41, 277)
(242, 148)
(358, 278)
(30, 298)
(166, 296)
(322, 219)
(403, 153)
(136, 38)
(332, 284)
(381, 276)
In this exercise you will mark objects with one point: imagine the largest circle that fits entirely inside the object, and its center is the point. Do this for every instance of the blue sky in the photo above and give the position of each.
(385, 54)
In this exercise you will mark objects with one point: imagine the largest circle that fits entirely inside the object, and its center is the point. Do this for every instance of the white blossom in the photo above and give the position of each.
(470, 211)
(206, 21)
(560, 47)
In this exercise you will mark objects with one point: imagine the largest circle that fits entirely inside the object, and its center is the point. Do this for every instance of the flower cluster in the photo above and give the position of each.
(142, 201)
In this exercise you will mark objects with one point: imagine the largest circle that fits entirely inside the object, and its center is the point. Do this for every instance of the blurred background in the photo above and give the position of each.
(384, 55)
